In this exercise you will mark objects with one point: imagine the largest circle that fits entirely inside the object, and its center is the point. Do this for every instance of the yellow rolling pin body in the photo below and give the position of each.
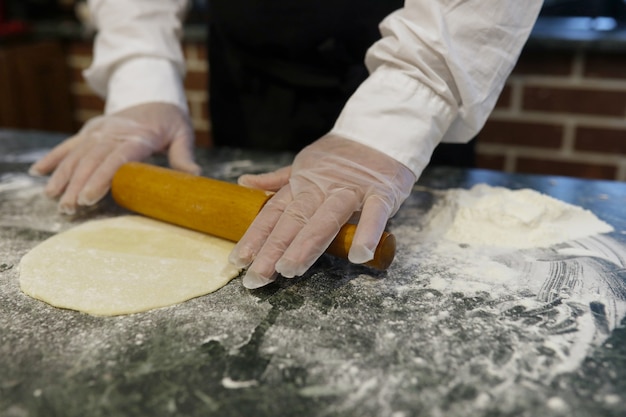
(211, 206)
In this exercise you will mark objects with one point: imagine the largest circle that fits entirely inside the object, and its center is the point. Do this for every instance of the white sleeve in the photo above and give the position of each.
(435, 75)
(137, 53)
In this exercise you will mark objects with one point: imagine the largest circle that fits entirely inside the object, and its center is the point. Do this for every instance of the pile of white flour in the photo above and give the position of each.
(498, 216)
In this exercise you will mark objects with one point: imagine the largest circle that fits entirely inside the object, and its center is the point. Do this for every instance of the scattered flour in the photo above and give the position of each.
(558, 405)
(547, 267)
(498, 216)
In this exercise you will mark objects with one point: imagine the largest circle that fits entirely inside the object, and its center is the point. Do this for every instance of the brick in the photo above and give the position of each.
(566, 168)
(575, 100)
(197, 108)
(605, 65)
(504, 101)
(80, 62)
(204, 139)
(531, 134)
(484, 161)
(88, 102)
(189, 50)
(195, 51)
(535, 62)
(82, 116)
(600, 140)
(203, 52)
(79, 120)
(196, 80)
(80, 49)
(206, 115)
(76, 75)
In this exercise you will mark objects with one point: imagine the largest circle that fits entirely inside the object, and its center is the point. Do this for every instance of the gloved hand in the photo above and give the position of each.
(328, 182)
(85, 164)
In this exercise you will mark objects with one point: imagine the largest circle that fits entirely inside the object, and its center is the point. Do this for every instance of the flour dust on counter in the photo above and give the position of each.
(19, 191)
(525, 311)
(124, 265)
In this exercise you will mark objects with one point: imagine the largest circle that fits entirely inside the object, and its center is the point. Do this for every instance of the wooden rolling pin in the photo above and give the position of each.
(215, 207)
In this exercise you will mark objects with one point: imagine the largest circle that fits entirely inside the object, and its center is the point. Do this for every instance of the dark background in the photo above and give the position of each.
(50, 9)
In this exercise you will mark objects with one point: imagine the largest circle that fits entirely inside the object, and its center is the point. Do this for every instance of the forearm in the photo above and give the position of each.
(137, 52)
(435, 75)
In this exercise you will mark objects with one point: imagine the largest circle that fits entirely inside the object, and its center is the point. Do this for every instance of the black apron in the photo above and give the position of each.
(282, 70)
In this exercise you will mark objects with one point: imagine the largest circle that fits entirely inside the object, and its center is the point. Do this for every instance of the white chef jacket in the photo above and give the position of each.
(435, 75)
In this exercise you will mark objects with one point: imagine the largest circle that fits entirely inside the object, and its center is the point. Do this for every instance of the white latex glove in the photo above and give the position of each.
(328, 182)
(83, 166)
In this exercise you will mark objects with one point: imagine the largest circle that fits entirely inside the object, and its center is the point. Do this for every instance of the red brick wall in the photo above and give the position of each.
(86, 103)
(561, 113)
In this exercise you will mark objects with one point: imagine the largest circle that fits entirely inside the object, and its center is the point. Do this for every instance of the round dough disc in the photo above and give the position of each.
(125, 265)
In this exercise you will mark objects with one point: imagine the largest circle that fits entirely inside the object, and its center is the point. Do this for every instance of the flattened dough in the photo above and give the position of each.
(125, 265)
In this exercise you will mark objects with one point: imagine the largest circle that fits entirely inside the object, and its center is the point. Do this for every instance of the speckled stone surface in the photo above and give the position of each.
(342, 340)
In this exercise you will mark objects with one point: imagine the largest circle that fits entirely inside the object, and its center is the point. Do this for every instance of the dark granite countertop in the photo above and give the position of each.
(578, 33)
(342, 340)
(569, 33)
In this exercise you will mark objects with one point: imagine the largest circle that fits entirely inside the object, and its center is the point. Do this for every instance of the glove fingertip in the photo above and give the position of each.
(269, 181)
(66, 208)
(253, 280)
(34, 171)
(360, 254)
(90, 197)
(193, 169)
(290, 269)
(241, 256)
(186, 165)
(246, 180)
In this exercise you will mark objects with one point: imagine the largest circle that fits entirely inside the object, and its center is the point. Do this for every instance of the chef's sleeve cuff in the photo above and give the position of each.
(145, 80)
(396, 115)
